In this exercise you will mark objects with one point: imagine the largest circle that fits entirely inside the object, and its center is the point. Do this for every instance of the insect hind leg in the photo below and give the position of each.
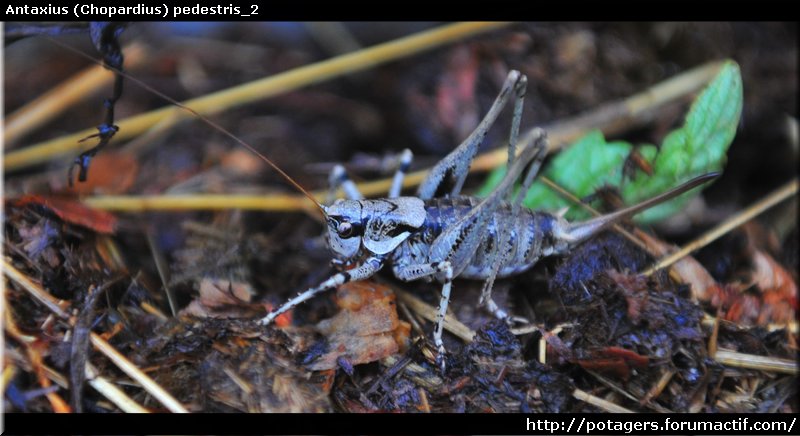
(456, 164)
(503, 250)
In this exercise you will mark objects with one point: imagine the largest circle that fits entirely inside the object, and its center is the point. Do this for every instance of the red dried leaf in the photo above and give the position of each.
(613, 367)
(776, 302)
(743, 309)
(614, 361)
(634, 289)
(73, 212)
(631, 357)
(770, 276)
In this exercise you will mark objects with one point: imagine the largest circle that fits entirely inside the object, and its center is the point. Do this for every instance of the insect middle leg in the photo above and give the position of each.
(414, 272)
(458, 244)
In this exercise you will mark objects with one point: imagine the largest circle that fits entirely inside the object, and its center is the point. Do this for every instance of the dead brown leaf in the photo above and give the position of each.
(365, 330)
(688, 269)
(779, 290)
(220, 298)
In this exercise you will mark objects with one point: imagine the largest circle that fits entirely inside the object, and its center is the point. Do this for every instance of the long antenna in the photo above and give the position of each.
(199, 116)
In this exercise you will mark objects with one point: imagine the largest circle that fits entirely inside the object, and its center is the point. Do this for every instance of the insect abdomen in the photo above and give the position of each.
(531, 236)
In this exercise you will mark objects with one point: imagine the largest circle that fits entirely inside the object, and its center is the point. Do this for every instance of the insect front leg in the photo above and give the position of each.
(361, 272)
(456, 164)
(414, 272)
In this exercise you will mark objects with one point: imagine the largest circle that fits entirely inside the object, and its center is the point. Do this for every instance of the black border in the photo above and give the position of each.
(378, 424)
(416, 10)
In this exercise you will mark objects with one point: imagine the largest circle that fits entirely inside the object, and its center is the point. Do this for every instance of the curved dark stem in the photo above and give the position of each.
(105, 36)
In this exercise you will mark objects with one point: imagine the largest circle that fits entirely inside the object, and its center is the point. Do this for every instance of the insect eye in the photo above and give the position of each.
(344, 229)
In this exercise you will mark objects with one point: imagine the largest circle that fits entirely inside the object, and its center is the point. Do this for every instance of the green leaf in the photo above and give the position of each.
(588, 165)
(698, 147)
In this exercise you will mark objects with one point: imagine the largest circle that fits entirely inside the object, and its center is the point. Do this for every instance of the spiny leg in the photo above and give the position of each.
(457, 163)
(361, 272)
(400, 174)
(458, 242)
(501, 254)
(339, 177)
(516, 120)
(413, 272)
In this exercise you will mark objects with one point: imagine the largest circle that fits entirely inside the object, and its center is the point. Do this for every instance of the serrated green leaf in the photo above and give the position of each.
(700, 146)
(697, 148)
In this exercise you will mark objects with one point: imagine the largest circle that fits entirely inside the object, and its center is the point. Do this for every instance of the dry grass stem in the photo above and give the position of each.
(610, 118)
(112, 392)
(136, 374)
(752, 361)
(709, 321)
(726, 226)
(428, 312)
(258, 89)
(104, 347)
(598, 402)
(34, 290)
